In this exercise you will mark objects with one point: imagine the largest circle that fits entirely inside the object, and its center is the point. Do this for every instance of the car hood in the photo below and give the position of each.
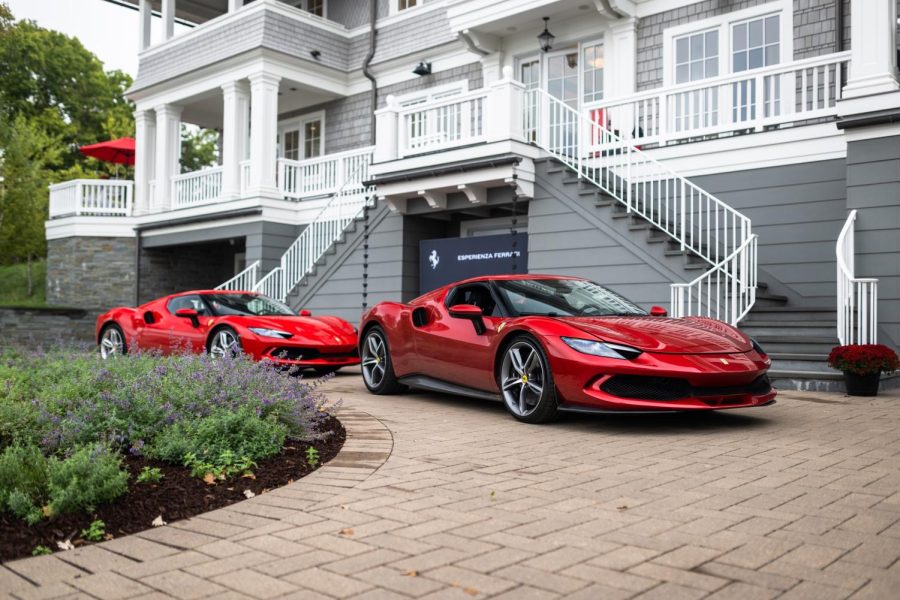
(691, 335)
(315, 330)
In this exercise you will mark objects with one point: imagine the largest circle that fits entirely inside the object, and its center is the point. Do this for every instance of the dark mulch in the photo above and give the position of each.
(177, 496)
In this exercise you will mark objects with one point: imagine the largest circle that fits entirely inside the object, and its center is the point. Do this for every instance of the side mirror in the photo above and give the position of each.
(305, 313)
(658, 311)
(470, 312)
(188, 313)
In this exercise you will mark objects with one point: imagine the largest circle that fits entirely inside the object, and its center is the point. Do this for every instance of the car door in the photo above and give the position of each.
(169, 333)
(449, 348)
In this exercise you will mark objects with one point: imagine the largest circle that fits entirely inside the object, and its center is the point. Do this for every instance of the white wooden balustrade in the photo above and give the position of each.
(452, 121)
(322, 175)
(197, 187)
(857, 298)
(243, 281)
(752, 100)
(91, 197)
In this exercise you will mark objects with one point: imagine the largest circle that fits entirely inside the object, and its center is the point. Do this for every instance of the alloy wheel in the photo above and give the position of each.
(374, 358)
(225, 343)
(522, 378)
(111, 343)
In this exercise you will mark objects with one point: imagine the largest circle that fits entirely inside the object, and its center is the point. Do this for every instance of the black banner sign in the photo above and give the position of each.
(447, 260)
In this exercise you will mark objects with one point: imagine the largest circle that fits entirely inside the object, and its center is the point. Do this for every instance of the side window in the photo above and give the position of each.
(697, 56)
(478, 295)
(190, 301)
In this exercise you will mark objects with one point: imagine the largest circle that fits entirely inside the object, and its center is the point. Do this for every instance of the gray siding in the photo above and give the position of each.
(873, 188)
(814, 32)
(797, 211)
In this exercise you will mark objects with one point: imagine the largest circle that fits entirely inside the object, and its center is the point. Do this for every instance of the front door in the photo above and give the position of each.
(561, 76)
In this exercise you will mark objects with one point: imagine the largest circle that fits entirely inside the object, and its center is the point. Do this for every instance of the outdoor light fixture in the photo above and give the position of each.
(315, 54)
(546, 38)
(423, 68)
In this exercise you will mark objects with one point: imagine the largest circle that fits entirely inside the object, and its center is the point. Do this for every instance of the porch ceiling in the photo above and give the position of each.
(197, 11)
(509, 16)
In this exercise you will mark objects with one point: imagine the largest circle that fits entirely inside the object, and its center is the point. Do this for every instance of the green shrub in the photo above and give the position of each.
(23, 482)
(91, 476)
(95, 531)
(41, 551)
(240, 433)
(219, 466)
(150, 475)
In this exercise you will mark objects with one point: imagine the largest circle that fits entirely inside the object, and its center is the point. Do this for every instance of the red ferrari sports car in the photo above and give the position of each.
(224, 322)
(546, 343)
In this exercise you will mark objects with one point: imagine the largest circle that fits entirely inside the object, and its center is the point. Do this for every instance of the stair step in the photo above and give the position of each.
(639, 226)
(802, 324)
(790, 315)
(808, 366)
(786, 331)
(800, 356)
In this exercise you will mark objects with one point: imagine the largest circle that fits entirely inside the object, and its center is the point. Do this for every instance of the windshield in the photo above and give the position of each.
(564, 298)
(246, 304)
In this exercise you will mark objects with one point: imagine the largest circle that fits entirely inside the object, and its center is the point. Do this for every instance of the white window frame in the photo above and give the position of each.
(395, 9)
(723, 22)
(324, 8)
(299, 123)
(581, 45)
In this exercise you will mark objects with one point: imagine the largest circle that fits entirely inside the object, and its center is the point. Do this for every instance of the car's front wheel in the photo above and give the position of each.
(377, 369)
(112, 341)
(526, 382)
(224, 342)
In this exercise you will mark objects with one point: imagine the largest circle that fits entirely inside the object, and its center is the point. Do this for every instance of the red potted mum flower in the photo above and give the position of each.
(863, 365)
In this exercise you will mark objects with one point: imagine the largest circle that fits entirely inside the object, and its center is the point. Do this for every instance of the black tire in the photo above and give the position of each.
(218, 346)
(108, 337)
(544, 406)
(375, 347)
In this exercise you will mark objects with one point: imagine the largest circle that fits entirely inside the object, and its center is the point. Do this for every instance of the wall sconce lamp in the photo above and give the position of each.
(423, 68)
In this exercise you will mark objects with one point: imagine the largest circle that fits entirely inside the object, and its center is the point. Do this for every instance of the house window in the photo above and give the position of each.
(697, 56)
(404, 4)
(593, 72)
(312, 136)
(316, 7)
(755, 44)
(292, 144)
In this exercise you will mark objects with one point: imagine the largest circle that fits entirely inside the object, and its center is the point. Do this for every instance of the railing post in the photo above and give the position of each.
(662, 119)
(78, 197)
(683, 215)
(386, 132)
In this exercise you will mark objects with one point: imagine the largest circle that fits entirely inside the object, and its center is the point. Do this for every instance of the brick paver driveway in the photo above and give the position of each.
(798, 500)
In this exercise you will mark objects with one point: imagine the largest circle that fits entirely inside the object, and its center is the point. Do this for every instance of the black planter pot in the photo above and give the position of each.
(862, 385)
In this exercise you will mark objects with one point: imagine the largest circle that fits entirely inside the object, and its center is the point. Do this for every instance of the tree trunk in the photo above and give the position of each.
(30, 278)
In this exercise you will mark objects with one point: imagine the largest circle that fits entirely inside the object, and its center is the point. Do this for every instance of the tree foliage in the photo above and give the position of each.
(199, 148)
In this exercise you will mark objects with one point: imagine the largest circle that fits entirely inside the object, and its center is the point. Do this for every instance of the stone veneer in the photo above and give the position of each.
(90, 272)
(46, 326)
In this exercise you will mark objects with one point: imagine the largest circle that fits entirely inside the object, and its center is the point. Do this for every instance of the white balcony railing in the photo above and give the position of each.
(323, 175)
(91, 197)
(197, 187)
(453, 121)
(754, 100)
(857, 298)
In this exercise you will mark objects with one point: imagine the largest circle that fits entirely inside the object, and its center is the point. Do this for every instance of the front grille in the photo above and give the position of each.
(289, 353)
(639, 387)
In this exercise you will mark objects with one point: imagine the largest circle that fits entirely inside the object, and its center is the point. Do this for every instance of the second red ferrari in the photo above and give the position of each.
(224, 322)
(545, 343)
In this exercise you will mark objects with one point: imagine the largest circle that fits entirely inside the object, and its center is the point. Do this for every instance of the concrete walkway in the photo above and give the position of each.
(441, 497)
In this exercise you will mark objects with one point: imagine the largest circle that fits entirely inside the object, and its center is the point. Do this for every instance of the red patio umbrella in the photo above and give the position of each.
(119, 151)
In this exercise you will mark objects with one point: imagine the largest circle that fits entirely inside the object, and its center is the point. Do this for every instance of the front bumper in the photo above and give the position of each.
(309, 356)
(661, 382)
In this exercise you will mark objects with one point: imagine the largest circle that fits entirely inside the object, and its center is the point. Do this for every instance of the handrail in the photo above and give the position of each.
(245, 280)
(700, 222)
(446, 101)
(857, 297)
(330, 223)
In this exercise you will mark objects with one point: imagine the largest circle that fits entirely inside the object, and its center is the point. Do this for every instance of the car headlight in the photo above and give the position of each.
(604, 349)
(273, 333)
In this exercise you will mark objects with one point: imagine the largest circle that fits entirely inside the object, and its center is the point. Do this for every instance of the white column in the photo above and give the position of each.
(144, 17)
(233, 5)
(168, 152)
(873, 48)
(503, 113)
(620, 73)
(386, 138)
(263, 134)
(168, 18)
(235, 126)
(144, 155)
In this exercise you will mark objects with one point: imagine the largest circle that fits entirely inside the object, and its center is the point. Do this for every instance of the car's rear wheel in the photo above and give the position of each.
(224, 342)
(377, 368)
(526, 382)
(112, 341)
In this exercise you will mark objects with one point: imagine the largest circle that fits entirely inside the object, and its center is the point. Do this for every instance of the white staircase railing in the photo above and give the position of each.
(857, 298)
(243, 281)
(700, 222)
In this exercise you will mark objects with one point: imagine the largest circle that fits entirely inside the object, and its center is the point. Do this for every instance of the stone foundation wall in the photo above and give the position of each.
(46, 327)
(90, 272)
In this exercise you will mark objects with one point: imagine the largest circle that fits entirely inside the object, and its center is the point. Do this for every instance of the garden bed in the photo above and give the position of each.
(93, 449)
(178, 495)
